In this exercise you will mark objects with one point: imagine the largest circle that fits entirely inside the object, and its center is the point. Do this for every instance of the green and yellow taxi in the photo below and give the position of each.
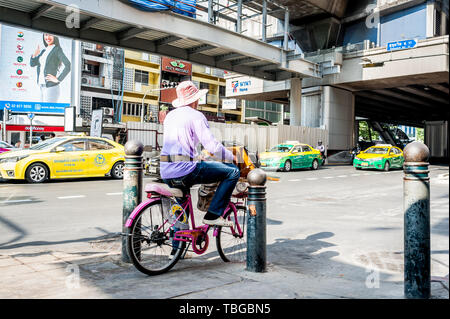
(381, 157)
(291, 155)
(64, 157)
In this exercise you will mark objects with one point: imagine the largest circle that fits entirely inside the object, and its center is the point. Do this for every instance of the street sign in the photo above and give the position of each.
(401, 45)
(97, 123)
(30, 116)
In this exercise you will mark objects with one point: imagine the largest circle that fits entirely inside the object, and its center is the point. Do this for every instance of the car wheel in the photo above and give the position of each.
(117, 170)
(358, 168)
(315, 165)
(36, 173)
(287, 166)
(387, 166)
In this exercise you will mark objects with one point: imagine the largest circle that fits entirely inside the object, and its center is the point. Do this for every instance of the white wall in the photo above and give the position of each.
(339, 117)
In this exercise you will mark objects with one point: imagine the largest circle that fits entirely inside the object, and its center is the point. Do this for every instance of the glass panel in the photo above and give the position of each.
(74, 146)
(98, 145)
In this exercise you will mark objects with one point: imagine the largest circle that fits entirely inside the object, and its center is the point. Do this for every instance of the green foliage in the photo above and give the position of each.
(420, 135)
(365, 133)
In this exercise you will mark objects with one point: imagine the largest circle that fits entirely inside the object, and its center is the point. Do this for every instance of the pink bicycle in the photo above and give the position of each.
(159, 234)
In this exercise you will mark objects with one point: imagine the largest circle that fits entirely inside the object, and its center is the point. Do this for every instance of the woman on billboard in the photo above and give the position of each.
(48, 63)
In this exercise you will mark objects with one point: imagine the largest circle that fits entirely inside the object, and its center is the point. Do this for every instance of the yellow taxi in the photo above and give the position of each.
(64, 157)
(381, 157)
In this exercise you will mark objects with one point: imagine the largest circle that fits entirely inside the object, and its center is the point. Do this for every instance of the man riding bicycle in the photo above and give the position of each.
(184, 129)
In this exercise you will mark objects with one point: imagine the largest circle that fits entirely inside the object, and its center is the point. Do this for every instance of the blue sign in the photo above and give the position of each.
(30, 116)
(33, 107)
(401, 45)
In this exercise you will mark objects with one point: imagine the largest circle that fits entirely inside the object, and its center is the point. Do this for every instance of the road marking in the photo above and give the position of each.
(294, 180)
(114, 194)
(328, 177)
(367, 174)
(342, 176)
(312, 179)
(356, 174)
(70, 197)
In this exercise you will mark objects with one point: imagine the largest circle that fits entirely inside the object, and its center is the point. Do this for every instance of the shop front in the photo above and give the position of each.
(16, 133)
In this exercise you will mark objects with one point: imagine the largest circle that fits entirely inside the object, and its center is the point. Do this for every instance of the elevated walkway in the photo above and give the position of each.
(114, 23)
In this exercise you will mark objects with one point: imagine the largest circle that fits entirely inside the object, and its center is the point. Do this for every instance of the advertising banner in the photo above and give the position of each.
(34, 71)
(243, 85)
(229, 104)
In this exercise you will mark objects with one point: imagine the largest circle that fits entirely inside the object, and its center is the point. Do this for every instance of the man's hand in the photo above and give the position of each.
(235, 161)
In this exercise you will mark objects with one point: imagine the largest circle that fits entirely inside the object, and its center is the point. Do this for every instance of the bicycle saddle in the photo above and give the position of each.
(164, 190)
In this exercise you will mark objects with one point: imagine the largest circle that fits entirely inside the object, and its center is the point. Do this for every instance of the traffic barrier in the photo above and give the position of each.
(416, 205)
(132, 188)
(256, 227)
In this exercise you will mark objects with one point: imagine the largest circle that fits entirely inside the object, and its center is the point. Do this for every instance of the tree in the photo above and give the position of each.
(365, 133)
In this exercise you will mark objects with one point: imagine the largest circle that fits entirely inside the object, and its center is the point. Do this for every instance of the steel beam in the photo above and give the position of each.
(200, 48)
(264, 21)
(228, 56)
(243, 61)
(130, 33)
(419, 92)
(43, 9)
(89, 23)
(167, 40)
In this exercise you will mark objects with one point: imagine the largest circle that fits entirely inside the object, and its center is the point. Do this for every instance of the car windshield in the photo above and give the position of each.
(5, 145)
(47, 143)
(281, 148)
(377, 150)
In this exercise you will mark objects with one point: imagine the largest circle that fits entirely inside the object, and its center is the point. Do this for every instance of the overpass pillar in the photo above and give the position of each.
(295, 102)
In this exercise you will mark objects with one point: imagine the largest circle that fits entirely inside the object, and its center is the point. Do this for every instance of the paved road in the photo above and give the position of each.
(335, 222)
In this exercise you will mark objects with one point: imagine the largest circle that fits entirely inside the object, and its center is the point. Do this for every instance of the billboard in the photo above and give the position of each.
(35, 71)
(244, 85)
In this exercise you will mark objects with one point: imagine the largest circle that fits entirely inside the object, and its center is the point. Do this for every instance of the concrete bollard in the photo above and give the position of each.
(132, 187)
(416, 205)
(256, 225)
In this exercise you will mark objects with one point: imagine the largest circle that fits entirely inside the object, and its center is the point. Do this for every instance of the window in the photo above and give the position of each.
(74, 146)
(222, 90)
(297, 149)
(204, 86)
(99, 145)
(306, 149)
(141, 77)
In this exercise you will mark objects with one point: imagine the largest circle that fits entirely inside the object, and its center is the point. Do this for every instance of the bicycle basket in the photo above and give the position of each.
(172, 210)
(205, 196)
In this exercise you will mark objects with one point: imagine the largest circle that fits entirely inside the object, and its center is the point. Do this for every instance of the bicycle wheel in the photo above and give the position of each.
(148, 242)
(232, 241)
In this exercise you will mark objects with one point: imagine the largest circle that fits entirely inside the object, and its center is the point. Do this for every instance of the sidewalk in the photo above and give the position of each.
(94, 270)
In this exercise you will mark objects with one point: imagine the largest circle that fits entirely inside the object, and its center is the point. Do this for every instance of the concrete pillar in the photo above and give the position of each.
(76, 76)
(295, 101)
(339, 117)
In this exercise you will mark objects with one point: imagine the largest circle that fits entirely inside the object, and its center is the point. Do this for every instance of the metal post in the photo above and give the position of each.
(239, 17)
(132, 187)
(256, 225)
(286, 30)
(210, 11)
(264, 21)
(416, 205)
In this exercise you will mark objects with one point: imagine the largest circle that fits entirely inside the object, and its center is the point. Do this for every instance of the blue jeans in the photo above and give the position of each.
(207, 173)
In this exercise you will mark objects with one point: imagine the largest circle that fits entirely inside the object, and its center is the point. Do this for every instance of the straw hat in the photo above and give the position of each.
(187, 93)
